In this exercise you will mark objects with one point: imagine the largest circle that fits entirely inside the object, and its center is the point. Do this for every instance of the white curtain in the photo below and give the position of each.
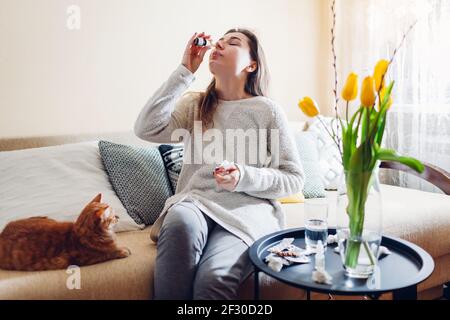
(419, 121)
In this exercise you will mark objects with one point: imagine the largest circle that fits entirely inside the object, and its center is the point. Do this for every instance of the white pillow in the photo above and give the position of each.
(330, 159)
(56, 182)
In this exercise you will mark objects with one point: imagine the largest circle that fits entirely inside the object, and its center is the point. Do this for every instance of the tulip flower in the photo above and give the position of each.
(378, 74)
(367, 92)
(309, 107)
(359, 140)
(350, 91)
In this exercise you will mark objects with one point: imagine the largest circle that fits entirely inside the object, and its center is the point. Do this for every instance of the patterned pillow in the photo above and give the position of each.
(329, 156)
(172, 155)
(309, 157)
(139, 178)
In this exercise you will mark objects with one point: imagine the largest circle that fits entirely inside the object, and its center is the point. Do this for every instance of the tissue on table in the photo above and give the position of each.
(285, 253)
(321, 276)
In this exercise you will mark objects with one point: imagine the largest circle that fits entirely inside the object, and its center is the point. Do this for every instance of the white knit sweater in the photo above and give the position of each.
(250, 211)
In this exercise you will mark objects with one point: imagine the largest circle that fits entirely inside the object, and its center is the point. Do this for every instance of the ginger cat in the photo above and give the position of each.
(40, 243)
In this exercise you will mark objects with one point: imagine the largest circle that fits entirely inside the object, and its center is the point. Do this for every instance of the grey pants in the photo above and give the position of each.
(197, 258)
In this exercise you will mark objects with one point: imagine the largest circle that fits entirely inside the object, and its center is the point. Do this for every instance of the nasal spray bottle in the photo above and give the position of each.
(320, 275)
(202, 42)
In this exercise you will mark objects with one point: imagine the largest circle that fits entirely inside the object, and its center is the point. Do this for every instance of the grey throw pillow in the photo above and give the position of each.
(309, 157)
(139, 178)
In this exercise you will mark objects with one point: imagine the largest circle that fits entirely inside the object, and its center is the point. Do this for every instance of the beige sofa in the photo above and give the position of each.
(420, 217)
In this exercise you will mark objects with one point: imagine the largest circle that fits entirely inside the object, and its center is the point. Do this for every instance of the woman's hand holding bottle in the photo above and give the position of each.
(193, 54)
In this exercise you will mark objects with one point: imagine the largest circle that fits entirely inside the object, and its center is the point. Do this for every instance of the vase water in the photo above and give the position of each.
(359, 222)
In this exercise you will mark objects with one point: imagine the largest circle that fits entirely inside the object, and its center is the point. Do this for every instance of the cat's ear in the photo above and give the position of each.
(98, 198)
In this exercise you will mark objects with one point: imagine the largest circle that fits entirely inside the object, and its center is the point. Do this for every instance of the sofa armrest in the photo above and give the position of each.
(433, 174)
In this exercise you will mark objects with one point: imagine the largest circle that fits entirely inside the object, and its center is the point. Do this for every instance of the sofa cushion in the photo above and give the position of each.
(138, 177)
(57, 182)
(418, 216)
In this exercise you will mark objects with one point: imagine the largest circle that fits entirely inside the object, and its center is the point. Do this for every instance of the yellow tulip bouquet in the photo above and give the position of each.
(360, 145)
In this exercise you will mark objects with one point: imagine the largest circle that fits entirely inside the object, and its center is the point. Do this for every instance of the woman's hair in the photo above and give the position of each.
(256, 85)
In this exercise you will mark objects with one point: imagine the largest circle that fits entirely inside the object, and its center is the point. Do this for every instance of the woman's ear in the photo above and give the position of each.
(252, 67)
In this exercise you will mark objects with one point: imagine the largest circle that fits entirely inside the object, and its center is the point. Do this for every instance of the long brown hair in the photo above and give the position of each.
(256, 85)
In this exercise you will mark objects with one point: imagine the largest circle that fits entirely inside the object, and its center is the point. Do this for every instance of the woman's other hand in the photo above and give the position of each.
(227, 179)
(193, 55)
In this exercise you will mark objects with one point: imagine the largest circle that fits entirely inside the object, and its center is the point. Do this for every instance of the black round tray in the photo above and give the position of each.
(406, 266)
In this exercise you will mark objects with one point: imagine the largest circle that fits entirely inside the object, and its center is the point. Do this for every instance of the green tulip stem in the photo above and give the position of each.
(369, 253)
(357, 191)
(346, 113)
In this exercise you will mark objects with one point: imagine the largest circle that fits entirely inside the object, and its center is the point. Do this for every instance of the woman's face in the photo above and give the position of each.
(231, 55)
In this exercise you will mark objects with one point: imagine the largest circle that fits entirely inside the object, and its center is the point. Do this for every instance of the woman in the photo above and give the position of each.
(206, 227)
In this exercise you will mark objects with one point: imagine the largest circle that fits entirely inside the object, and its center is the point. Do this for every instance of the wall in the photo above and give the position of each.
(54, 80)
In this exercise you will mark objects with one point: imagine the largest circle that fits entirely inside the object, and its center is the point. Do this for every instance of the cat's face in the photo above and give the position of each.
(97, 215)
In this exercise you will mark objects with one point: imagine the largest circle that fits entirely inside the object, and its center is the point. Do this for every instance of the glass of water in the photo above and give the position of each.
(316, 222)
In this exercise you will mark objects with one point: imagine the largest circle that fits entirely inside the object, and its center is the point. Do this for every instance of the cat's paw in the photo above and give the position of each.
(124, 252)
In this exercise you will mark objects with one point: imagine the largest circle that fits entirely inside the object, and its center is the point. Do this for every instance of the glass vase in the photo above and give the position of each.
(359, 221)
